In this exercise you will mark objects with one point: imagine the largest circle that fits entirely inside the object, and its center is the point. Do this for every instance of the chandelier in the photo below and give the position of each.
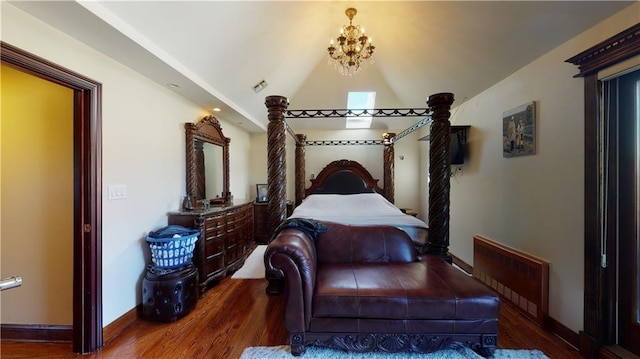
(353, 49)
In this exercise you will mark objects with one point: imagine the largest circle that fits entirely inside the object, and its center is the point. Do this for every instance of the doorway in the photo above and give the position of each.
(601, 334)
(87, 184)
(37, 205)
(621, 98)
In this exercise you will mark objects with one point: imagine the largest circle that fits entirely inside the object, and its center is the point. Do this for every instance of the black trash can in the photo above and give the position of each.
(168, 295)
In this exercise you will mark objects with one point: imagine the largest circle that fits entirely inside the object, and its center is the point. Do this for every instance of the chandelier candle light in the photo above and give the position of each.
(353, 49)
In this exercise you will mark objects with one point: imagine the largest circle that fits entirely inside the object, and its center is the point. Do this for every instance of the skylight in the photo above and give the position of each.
(360, 101)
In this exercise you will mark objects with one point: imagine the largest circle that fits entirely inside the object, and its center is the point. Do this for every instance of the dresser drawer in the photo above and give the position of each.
(233, 227)
(232, 254)
(212, 247)
(214, 222)
(215, 233)
(232, 239)
(232, 213)
(237, 218)
(214, 265)
(246, 216)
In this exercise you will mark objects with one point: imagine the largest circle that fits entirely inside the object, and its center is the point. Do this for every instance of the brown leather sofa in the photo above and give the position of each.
(366, 289)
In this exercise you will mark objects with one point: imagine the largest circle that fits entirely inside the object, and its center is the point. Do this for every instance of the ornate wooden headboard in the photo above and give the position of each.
(344, 177)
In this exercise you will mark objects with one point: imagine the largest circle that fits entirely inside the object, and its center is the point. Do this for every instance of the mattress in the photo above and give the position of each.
(362, 209)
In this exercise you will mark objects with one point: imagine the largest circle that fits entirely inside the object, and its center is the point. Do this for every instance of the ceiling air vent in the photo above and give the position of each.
(260, 86)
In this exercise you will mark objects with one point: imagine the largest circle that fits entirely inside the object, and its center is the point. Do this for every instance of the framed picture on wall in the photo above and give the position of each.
(519, 131)
(261, 192)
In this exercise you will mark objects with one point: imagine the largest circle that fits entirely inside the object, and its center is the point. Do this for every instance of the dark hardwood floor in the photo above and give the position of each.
(236, 314)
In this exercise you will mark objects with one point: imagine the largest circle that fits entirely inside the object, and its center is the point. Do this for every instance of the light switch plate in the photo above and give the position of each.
(117, 191)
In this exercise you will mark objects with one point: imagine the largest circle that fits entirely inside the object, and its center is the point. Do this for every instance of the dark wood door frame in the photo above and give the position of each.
(87, 182)
(623, 109)
(600, 283)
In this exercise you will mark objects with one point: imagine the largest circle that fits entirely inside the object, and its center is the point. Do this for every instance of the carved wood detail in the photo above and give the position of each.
(397, 343)
(611, 51)
(276, 161)
(208, 130)
(200, 186)
(300, 167)
(389, 166)
(439, 175)
(225, 159)
(343, 165)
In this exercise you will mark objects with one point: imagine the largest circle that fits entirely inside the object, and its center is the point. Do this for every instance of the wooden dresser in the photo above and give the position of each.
(225, 242)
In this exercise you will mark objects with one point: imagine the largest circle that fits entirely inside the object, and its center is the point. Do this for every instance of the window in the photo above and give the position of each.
(360, 101)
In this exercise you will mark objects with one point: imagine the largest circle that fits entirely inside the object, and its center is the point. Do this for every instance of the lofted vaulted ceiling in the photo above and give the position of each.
(216, 51)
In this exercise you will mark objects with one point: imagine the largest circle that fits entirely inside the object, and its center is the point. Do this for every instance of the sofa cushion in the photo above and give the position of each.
(342, 243)
(428, 289)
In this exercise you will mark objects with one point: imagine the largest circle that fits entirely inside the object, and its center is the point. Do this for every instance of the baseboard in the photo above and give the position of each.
(616, 352)
(589, 346)
(121, 323)
(462, 264)
(37, 333)
(551, 325)
(64, 333)
(562, 331)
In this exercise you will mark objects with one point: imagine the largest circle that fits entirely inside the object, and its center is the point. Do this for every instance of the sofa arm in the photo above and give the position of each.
(292, 256)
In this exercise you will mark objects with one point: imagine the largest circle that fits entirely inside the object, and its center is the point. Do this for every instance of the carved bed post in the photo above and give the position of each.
(276, 162)
(388, 164)
(300, 164)
(439, 175)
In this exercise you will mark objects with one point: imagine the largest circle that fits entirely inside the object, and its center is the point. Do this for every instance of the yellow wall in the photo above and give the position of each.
(37, 199)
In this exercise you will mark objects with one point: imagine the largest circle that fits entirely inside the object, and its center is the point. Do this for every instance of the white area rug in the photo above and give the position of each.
(284, 352)
(253, 267)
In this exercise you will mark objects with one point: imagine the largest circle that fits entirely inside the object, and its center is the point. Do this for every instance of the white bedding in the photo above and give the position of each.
(360, 209)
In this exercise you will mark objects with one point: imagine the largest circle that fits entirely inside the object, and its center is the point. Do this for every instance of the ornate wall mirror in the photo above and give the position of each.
(207, 162)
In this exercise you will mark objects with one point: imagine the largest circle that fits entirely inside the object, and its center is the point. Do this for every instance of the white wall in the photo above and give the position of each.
(533, 203)
(370, 156)
(143, 148)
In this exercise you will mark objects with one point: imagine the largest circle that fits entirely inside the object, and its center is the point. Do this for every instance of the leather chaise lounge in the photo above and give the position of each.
(365, 289)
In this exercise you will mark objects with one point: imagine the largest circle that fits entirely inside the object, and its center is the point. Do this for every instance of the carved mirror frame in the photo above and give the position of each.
(208, 130)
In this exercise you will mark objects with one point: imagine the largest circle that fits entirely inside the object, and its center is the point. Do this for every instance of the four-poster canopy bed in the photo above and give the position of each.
(437, 114)
(352, 273)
